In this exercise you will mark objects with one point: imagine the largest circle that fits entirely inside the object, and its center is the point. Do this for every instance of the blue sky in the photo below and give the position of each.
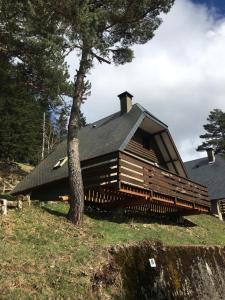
(218, 4)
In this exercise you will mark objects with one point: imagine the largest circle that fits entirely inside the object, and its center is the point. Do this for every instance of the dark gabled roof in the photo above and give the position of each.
(104, 136)
(210, 175)
(107, 135)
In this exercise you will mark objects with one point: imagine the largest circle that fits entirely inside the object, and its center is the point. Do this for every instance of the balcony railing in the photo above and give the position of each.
(123, 179)
(139, 177)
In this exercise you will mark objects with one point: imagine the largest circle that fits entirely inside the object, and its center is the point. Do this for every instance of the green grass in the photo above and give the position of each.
(44, 256)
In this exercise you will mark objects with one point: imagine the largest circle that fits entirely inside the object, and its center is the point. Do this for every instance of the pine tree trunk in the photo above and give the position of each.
(43, 138)
(75, 214)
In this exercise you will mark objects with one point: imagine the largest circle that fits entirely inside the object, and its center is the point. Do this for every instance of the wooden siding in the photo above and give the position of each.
(222, 207)
(140, 178)
(120, 180)
(101, 171)
(144, 145)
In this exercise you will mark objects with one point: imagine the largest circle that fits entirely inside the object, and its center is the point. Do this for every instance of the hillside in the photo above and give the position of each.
(45, 256)
(11, 173)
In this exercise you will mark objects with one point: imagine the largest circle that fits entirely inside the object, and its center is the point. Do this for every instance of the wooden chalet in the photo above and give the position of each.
(128, 160)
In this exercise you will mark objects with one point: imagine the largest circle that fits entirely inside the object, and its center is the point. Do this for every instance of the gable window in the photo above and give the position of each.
(60, 163)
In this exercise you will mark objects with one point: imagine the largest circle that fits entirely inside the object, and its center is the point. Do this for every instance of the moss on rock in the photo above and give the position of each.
(181, 272)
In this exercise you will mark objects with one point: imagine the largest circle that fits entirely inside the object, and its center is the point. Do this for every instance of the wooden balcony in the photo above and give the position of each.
(138, 177)
(124, 180)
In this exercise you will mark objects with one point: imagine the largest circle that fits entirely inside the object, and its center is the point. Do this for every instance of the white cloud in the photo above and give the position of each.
(179, 75)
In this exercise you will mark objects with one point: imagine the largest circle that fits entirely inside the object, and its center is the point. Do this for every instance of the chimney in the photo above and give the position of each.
(211, 155)
(125, 102)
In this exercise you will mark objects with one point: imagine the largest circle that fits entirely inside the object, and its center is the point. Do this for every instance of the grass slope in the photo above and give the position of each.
(25, 167)
(44, 256)
(11, 173)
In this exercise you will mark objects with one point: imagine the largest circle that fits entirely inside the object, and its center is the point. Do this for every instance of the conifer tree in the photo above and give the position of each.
(20, 121)
(31, 37)
(99, 30)
(215, 132)
(33, 75)
(105, 31)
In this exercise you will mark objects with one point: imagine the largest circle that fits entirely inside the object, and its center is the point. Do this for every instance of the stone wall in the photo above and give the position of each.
(184, 272)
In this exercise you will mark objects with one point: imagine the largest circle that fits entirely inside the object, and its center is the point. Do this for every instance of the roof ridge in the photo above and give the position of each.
(114, 114)
(92, 123)
(147, 112)
(195, 159)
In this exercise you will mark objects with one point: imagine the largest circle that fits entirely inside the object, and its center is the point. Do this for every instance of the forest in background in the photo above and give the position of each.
(29, 127)
(35, 88)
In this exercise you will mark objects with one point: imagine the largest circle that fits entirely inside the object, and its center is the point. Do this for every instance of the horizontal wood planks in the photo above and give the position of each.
(138, 149)
(100, 171)
(144, 145)
(222, 206)
(121, 180)
(138, 176)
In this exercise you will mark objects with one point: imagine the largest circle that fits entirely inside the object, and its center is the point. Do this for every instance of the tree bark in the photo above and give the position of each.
(43, 138)
(75, 214)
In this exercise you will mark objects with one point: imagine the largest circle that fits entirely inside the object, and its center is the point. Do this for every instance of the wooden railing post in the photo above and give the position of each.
(167, 186)
(3, 203)
(145, 176)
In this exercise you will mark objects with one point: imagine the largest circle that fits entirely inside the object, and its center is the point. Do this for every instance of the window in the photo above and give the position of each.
(60, 163)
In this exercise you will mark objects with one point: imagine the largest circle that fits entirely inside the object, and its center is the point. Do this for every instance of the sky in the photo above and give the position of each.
(218, 5)
(179, 76)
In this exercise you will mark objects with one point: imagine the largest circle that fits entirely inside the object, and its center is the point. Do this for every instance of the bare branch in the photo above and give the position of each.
(100, 59)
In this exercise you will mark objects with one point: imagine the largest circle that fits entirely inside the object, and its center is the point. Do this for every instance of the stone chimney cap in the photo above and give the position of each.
(125, 94)
(125, 102)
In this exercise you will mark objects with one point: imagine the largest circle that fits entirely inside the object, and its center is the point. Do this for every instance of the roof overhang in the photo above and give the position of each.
(162, 136)
(170, 153)
(151, 125)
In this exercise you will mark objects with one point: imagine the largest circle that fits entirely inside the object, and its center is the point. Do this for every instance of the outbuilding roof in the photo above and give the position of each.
(211, 175)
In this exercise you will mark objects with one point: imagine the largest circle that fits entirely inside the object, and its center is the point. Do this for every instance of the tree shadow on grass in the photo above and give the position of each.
(122, 217)
(53, 211)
